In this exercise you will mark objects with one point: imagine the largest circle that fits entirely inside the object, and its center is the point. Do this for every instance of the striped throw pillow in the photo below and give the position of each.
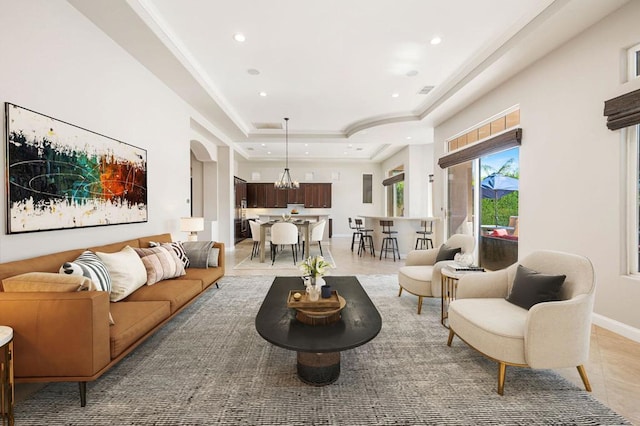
(88, 264)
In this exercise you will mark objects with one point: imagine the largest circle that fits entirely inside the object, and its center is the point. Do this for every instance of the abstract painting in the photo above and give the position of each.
(62, 176)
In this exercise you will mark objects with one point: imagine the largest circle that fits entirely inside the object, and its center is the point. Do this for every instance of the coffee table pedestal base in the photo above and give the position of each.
(318, 369)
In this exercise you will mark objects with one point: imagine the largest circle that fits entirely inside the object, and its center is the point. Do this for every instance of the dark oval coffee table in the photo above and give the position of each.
(318, 346)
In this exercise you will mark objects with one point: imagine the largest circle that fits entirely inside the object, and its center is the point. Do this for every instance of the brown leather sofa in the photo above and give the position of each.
(66, 337)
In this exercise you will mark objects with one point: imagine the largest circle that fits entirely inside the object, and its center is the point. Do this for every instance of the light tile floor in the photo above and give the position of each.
(613, 367)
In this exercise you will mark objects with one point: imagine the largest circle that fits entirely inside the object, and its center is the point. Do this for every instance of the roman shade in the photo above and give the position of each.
(500, 142)
(623, 111)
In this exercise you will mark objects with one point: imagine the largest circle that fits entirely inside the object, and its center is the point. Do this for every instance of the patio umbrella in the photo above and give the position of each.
(496, 186)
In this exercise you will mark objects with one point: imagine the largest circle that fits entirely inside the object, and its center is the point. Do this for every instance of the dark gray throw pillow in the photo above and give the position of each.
(531, 287)
(447, 253)
(198, 253)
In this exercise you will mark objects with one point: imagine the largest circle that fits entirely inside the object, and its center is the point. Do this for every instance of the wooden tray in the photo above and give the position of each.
(321, 303)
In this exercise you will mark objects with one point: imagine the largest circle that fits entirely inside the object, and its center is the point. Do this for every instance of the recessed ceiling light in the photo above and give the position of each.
(306, 153)
(253, 71)
(436, 40)
(350, 145)
(412, 73)
(263, 94)
(269, 152)
(408, 137)
(262, 144)
(239, 37)
(306, 144)
(395, 95)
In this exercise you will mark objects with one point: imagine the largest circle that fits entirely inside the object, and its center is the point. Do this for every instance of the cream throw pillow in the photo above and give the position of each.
(126, 270)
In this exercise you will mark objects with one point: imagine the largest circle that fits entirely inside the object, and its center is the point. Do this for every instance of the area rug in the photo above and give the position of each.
(209, 366)
(284, 260)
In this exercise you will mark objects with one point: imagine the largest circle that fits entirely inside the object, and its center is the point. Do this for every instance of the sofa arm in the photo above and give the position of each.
(58, 335)
(483, 285)
(221, 255)
(421, 257)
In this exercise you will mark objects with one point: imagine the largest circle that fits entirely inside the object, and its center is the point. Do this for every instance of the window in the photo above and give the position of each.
(395, 192)
(633, 201)
(633, 62)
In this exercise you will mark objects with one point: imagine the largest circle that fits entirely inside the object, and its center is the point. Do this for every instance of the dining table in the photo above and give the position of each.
(303, 225)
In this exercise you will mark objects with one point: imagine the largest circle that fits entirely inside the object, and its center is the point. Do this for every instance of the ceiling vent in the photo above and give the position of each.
(425, 90)
(269, 126)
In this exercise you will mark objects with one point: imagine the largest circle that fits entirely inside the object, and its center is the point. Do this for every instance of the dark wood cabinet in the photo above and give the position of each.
(240, 189)
(276, 197)
(256, 195)
(296, 196)
(317, 195)
(265, 195)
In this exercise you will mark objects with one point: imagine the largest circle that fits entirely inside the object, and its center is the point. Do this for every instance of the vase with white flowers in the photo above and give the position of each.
(314, 268)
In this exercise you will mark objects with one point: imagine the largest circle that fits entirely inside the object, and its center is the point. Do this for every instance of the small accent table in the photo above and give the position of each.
(449, 286)
(6, 375)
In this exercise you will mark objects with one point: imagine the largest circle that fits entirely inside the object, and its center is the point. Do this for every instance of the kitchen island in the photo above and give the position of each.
(406, 228)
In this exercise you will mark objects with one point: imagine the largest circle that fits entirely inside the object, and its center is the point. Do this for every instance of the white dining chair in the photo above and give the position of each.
(284, 233)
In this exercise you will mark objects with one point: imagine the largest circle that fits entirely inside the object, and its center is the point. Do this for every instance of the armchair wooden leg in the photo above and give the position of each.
(419, 304)
(583, 376)
(400, 292)
(502, 371)
(451, 334)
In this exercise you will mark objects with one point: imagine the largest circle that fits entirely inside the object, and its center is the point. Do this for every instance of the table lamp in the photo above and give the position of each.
(192, 225)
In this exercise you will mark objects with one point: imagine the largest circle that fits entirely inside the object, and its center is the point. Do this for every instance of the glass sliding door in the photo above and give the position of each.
(499, 193)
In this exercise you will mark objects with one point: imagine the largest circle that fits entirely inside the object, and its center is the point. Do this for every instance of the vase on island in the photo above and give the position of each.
(314, 286)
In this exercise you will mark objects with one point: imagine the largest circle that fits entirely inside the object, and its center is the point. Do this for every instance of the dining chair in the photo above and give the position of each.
(284, 233)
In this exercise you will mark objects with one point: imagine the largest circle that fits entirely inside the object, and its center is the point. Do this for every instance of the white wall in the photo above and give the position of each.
(418, 165)
(346, 190)
(56, 62)
(570, 163)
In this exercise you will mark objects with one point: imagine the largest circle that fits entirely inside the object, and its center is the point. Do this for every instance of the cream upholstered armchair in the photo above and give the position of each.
(550, 334)
(420, 274)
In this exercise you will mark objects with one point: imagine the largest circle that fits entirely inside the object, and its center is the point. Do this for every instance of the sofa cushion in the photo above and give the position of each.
(416, 279)
(89, 265)
(531, 287)
(134, 320)
(46, 281)
(161, 263)
(447, 253)
(205, 276)
(176, 292)
(127, 272)
(482, 323)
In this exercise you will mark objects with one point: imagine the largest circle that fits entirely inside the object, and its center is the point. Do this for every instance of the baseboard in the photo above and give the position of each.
(617, 327)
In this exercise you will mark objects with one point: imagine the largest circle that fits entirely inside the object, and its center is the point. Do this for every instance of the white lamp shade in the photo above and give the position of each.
(191, 224)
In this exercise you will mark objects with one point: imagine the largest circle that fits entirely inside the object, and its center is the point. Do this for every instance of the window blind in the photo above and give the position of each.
(497, 143)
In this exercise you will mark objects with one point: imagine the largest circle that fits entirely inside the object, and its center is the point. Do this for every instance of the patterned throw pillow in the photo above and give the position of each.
(177, 248)
(88, 264)
(161, 263)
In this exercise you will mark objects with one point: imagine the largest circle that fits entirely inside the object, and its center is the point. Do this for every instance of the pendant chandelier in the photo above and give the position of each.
(285, 181)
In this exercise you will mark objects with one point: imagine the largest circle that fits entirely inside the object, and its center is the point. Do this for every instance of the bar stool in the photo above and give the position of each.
(424, 236)
(366, 242)
(356, 232)
(6, 375)
(389, 243)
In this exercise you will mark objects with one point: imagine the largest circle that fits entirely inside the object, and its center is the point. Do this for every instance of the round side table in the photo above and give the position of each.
(449, 286)
(6, 375)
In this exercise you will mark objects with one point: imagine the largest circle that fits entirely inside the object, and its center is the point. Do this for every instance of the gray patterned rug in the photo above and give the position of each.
(210, 367)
